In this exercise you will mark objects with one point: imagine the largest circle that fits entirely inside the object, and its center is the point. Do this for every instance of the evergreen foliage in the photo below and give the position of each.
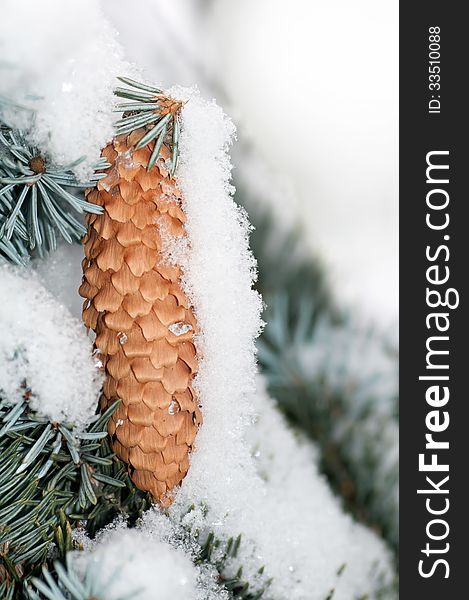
(53, 480)
(153, 110)
(48, 470)
(36, 199)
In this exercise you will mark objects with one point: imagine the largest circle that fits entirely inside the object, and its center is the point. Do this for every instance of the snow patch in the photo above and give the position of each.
(63, 64)
(133, 566)
(219, 272)
(141, 564)
(45, 350)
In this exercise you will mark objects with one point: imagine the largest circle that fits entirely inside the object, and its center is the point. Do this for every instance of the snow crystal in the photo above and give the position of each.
(180, 328)
(45, 350)
(174, 407)
(63, 63)
(123, 338)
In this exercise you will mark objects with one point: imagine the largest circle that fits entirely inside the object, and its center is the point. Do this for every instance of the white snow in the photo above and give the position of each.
(63, 63)
(128, 564)
(140, 564)
(305, 518)
(219, 272)
(43, 347)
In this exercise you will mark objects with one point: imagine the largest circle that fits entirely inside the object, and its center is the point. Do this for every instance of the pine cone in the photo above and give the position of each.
(143, 322)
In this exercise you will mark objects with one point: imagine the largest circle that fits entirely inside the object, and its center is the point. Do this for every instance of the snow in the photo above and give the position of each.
(62, 63)
(219, 272)
(305, 510)
(128, 564)
(139, 564)
(45, 348)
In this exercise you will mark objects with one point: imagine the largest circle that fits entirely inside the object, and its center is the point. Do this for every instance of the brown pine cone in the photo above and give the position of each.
(143, 322)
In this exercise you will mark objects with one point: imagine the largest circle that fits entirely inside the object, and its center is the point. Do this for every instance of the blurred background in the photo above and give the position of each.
(312, 87)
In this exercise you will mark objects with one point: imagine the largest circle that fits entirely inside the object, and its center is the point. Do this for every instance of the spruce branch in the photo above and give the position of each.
(220, 553)
(36, 199)
(50, 476)
(64, 583)
(153, 111)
